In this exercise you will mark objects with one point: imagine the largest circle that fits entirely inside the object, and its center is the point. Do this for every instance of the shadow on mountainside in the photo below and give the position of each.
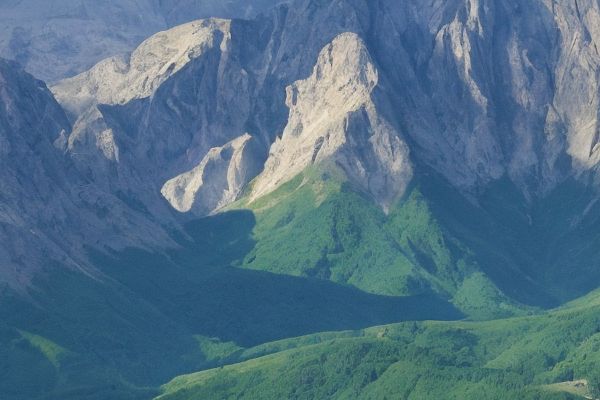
(137, 326)
(542, 252)
(197, 287)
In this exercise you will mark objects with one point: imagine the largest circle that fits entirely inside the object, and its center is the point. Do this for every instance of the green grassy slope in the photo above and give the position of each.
(521, 358)
(494, 255)
(318, 226)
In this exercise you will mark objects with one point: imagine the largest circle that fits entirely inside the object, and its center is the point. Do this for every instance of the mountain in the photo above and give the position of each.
(54, 40)
(497, 109)
(30, 121)
(334, 118)
(128, 113)
(325, 166)
(357, 121)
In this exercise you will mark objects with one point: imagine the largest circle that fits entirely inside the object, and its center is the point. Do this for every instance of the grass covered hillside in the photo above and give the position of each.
(315, 226)
(494, 255)
(551, 356)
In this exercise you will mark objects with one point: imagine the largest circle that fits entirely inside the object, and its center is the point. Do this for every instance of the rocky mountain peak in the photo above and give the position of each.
(334, 119)
(474, 99)
(119, 80)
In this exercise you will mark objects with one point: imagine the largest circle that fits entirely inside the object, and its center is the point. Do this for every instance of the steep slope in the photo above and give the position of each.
(481, 90)
(62, 38)
(50, 213)
(166, 110)
(217, 181)
(30, 123)
(334, 119)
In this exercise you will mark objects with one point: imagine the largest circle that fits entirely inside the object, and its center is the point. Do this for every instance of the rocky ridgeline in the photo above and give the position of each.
(475, 90)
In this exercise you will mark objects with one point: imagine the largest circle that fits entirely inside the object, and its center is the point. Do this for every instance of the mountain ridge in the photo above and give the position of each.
(327, 165)
(536, 118)
(476, 104)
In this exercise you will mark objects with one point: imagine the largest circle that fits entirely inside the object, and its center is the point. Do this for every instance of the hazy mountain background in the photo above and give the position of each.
(215, 196)
(57, 39)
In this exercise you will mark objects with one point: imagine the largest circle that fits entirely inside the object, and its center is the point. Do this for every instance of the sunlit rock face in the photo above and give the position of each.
(142, 121)
(217, 181)
(334, 119)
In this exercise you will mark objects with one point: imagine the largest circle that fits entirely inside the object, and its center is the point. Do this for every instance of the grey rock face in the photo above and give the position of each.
(48, 211)
(217, 181)
(486, 88)
(334, 119)
(33, 180)
(576, 102)
(180, 94)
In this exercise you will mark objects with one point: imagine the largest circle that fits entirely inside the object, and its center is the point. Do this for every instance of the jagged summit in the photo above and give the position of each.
(473, 100)
(155, 116)
(334, 119)
(119, 80)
